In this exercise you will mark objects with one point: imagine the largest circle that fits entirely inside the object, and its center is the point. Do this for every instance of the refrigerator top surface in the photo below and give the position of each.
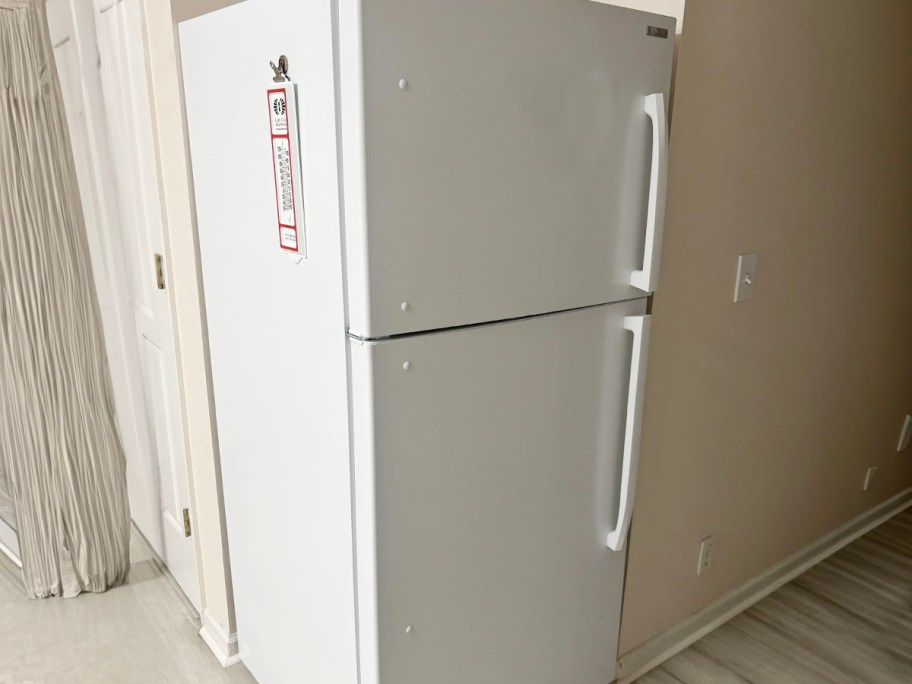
(497, 157)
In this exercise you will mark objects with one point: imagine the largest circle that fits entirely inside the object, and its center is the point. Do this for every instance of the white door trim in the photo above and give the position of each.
(9, 543)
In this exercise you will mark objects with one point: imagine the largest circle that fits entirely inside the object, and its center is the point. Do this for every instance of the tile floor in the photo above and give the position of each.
(140, 633)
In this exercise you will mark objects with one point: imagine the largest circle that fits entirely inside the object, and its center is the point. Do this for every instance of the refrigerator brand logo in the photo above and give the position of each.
(656, 32)
(280, 110)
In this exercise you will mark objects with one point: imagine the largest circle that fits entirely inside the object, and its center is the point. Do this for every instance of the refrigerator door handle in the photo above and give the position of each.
(640, 326)
(647, 279)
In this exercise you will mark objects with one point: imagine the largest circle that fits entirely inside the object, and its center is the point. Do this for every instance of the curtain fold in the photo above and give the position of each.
(63, 460)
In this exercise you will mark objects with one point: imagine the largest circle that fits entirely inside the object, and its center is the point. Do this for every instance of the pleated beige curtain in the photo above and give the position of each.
(59, 446)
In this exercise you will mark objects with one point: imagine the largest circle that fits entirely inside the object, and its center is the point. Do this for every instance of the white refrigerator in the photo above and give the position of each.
(428, 411)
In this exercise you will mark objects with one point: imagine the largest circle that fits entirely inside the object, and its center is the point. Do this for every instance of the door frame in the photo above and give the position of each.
(165, 75)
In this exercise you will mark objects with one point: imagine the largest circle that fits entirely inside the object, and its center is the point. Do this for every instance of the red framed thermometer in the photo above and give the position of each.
(286, 166)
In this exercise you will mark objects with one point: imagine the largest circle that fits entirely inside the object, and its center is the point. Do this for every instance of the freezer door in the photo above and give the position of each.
(497, 157)
(487, 469)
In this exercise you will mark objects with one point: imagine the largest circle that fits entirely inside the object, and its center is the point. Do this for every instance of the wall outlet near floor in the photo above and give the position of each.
(869, 476)
(706, 554)
(906, 435)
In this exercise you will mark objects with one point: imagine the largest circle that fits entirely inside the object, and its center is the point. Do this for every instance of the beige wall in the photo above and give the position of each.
(792, 137)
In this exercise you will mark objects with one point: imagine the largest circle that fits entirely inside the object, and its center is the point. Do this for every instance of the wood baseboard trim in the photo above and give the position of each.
(223, 645)
(657, 650)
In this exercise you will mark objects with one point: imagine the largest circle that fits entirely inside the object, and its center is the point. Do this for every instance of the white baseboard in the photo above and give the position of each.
(222, 644)
(9, 543)
(657, 650)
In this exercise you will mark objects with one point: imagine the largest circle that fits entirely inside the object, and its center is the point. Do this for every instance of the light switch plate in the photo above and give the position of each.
(906, 435)
(747, 275)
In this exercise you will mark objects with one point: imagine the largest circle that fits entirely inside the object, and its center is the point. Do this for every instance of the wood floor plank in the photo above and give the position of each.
(847, 620)
(751, 659)
(694, 667)
(802, 651)
(660, 677)
(829, 632)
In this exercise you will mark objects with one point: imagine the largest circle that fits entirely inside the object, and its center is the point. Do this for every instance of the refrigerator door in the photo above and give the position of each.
(498, 157)
(488, 463)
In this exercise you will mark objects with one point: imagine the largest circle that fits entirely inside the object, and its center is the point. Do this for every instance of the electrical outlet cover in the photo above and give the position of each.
(747, 274)
(869, 476)
(906, 435)
(706, 554)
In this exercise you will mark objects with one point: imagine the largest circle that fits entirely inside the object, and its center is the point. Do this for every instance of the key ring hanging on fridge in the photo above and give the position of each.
(281, 71)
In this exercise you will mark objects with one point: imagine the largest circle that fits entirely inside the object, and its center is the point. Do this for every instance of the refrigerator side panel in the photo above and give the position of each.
(365, 496)
(496, 465)
(352, 153)
(500, 156)
(277, 341)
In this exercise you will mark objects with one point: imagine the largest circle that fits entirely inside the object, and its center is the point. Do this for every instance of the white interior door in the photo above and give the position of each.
(100, 58)
(501, 163)
(488, 468)
(73, 35)
(129, 116)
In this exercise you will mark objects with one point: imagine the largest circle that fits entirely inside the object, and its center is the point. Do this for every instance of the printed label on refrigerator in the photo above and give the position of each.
(278, 110)
(286, 167)
(281, 159)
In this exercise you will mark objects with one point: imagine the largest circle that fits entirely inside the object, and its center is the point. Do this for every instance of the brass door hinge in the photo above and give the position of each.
(159, 272)
(187, 530)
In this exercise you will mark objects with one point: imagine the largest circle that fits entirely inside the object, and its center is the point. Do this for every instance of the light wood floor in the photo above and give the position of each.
(848, 619)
